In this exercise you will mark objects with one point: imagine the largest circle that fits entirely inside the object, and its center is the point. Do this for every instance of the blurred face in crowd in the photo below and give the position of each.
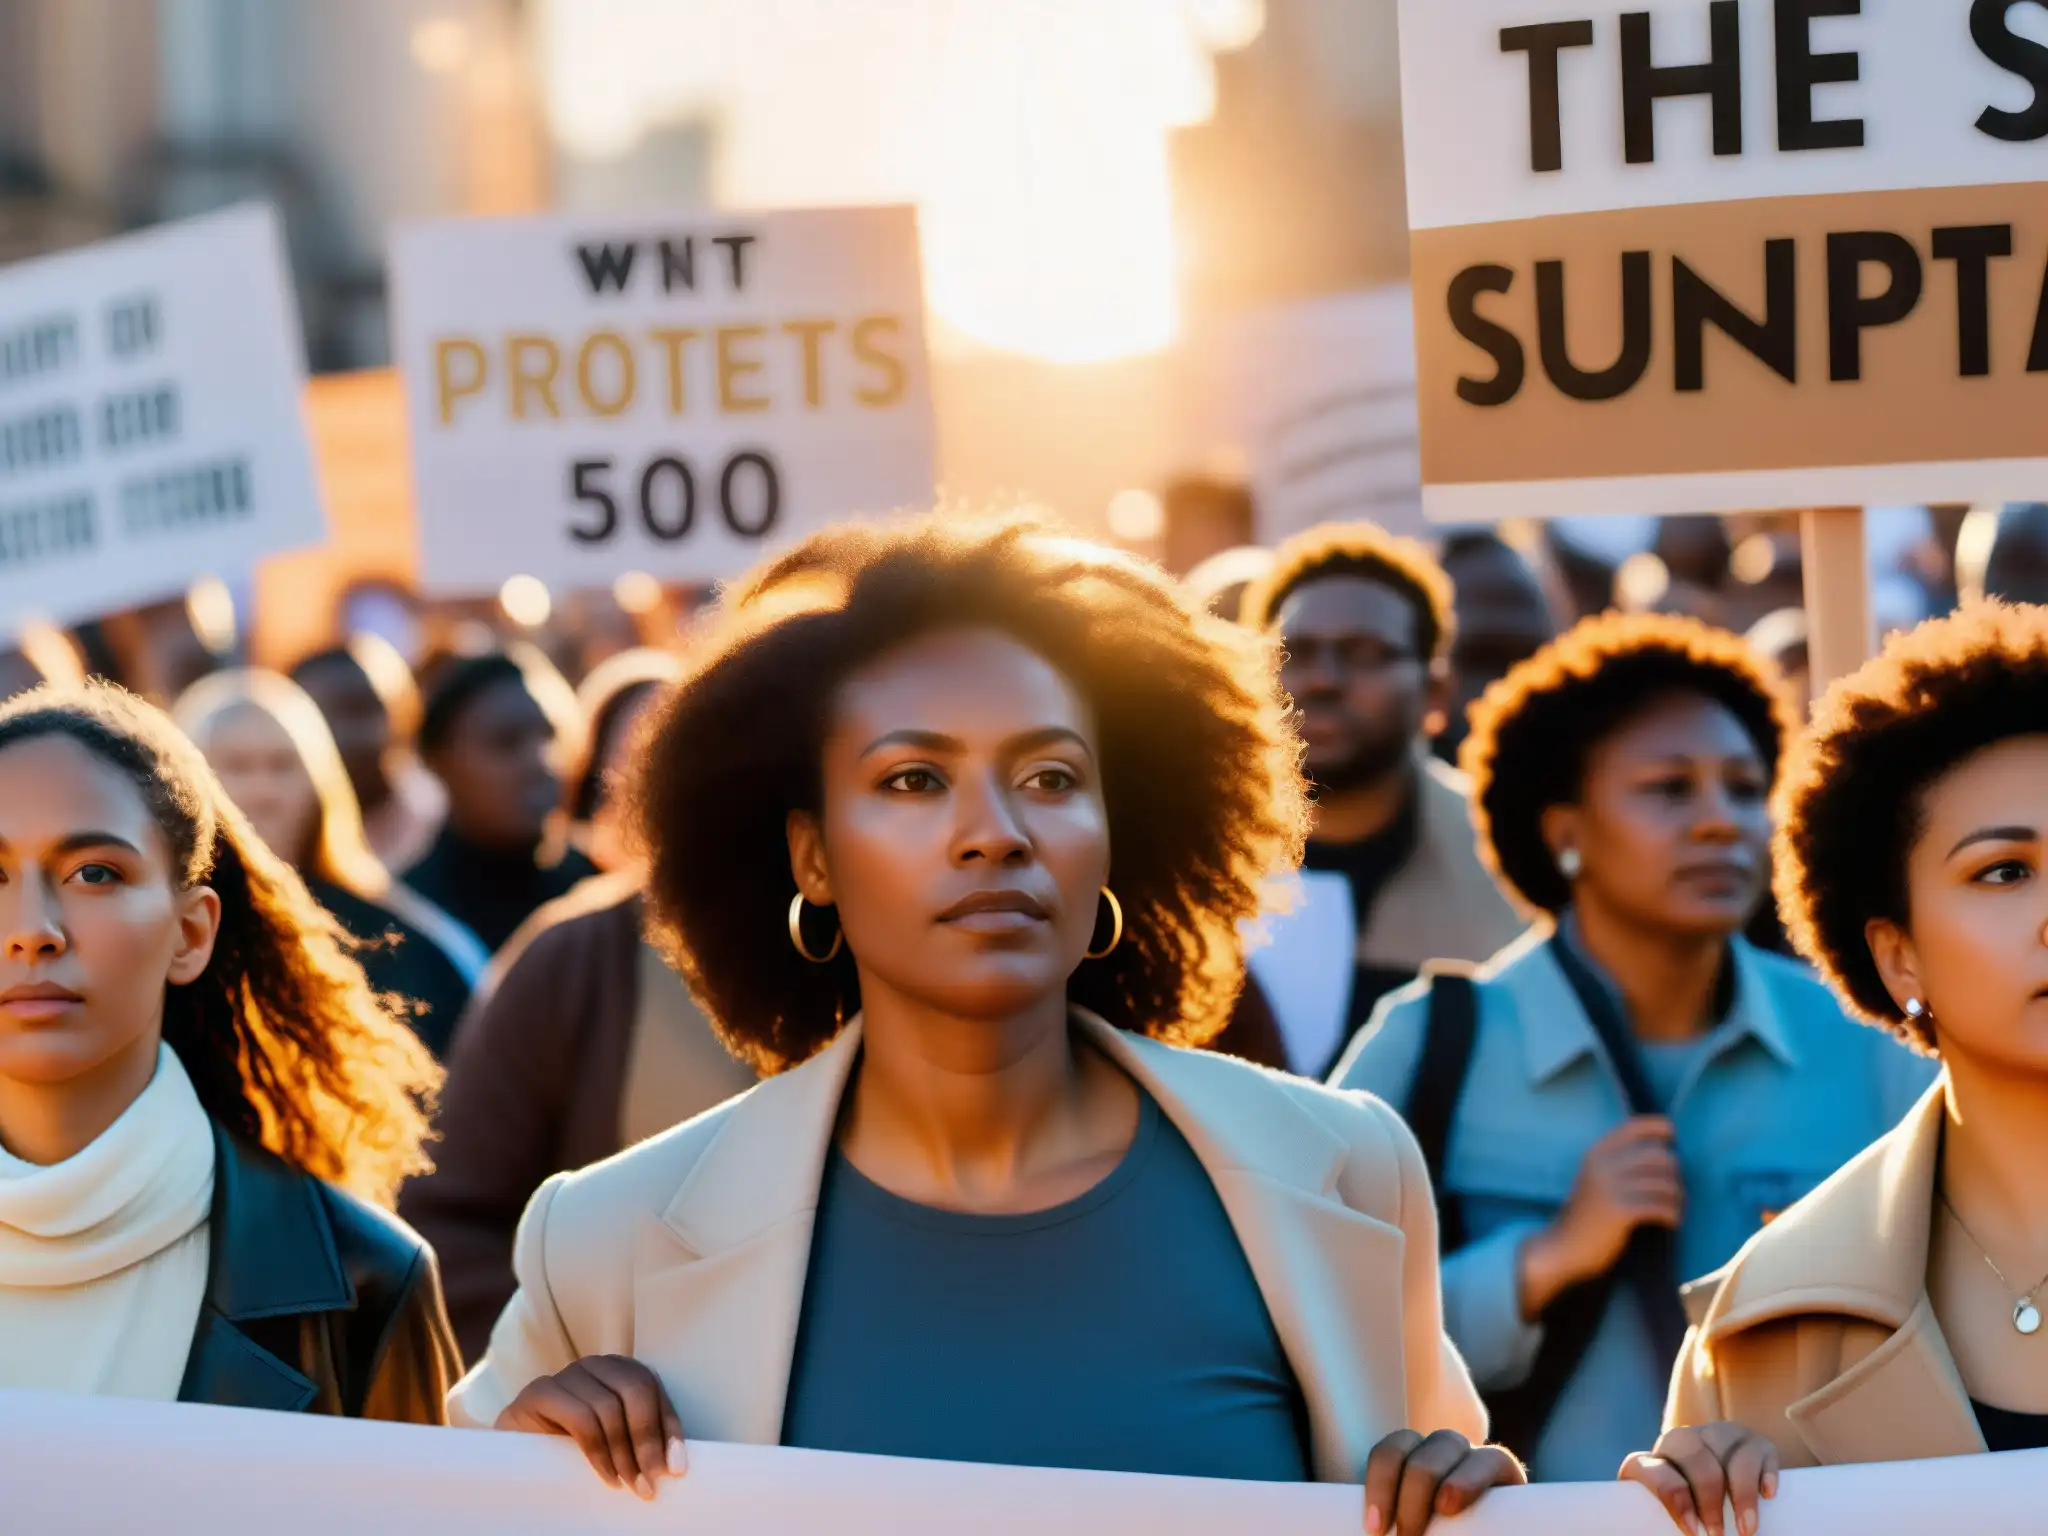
(1672, 826)
(93, 923)
(1974, 949)
(1363, 690)
(263, 774)
(1503, 618)
(963, 839)
(357, 717)
(499, 765)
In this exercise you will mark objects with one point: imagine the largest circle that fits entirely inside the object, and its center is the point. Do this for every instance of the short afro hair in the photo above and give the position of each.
(1851, 803)
(1200, 769)
(1534, 729)
(1370, 553)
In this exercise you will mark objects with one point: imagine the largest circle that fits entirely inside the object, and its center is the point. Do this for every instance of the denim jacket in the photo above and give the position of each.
(1785, 1090)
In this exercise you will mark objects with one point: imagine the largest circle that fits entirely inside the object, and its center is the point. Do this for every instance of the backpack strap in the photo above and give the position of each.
(1451, 1030)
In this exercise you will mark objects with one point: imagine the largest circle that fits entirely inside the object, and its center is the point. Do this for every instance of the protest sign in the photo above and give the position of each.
(1319, 397)
(105, 1464)
(592, 396)
(1686, 255)
(150, 424)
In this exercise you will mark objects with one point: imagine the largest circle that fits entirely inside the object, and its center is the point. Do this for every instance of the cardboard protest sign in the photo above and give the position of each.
(150, 424)
(672, 395)
(1688, 255)
(1319, 397)
(203, 1471)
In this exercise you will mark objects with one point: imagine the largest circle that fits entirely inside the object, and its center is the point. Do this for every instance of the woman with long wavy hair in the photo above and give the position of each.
(203, 1103)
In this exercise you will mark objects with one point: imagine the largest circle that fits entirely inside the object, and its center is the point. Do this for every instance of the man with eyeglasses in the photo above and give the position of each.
(1392, 879)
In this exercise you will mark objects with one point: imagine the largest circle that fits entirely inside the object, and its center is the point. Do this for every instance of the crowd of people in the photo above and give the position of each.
(1367, 1013)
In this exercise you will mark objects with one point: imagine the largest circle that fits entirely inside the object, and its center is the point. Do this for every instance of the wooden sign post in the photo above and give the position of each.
(1840, 636)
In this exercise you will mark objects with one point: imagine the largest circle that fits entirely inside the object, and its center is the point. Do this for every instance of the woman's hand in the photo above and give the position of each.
(1629, 1178)
(616, 1412)
(1410, 1480)
(1694, 1471)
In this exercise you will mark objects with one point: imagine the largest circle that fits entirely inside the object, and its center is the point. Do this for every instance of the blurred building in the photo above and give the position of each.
(1294, 187)
(120, 113)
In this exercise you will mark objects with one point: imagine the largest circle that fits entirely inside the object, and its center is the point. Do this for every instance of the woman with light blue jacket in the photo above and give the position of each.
(1614, 1103)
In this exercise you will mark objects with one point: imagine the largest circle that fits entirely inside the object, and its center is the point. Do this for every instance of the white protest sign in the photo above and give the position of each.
(1320, 398)
(150, 418)
(1709, 255)
(105, 1464)
(591, 396)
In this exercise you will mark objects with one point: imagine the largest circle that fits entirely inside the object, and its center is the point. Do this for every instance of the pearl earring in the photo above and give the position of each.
(1915, 1009)
(1569, 864)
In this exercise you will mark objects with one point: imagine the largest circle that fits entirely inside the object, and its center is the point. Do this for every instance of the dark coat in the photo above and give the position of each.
(315, 1302)
(578, 1042)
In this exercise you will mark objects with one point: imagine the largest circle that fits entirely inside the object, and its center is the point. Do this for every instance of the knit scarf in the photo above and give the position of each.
(143, 1184)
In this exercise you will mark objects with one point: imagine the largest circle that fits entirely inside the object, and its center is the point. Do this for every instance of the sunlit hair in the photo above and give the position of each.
(341, 853)
(1200, 771)
(1370, 553)
(1852, 802)
(611, 691)
(1534, 730)
(281, 1035)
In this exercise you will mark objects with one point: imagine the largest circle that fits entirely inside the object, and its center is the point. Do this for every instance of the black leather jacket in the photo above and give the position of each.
(315, 1302)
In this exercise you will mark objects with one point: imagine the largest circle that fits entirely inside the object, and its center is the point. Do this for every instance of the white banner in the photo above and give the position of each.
(150, 418)
(589, 396)
(99, 1465)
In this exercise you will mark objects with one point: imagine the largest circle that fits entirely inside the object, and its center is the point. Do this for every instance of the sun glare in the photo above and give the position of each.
(1032, 134)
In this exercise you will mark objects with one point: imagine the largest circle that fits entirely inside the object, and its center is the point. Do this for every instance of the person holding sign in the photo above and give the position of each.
(1898, 1311)
(1616, 1104)
(192, 1074)
(952, 827)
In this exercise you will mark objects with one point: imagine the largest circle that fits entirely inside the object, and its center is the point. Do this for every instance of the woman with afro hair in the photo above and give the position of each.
(1620, 1098)
(1897, 1312)
(951, 826)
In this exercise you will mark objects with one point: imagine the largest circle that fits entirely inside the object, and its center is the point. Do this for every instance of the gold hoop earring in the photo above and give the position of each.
(796, 934)
(1116, 926)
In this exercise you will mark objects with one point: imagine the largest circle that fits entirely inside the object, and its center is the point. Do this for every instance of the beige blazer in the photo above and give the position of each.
(1442, 904)
(1821, 1335)
(688, 1252)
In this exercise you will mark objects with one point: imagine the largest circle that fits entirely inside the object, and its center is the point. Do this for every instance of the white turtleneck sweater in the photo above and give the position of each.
(103, 1257)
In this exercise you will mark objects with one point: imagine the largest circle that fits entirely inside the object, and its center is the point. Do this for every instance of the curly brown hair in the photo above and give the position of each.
(1369, 552)
(1533, 730)
(1852, 801)
(283, 1038)
(1200, 769)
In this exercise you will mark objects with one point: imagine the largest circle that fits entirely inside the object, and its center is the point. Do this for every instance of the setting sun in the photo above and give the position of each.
(1033, 136)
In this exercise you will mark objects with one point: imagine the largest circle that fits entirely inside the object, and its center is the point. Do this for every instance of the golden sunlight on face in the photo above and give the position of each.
(1977, 891)
(1032, 136)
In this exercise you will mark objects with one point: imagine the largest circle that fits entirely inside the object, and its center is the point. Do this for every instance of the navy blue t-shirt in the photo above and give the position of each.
(1122, 1331)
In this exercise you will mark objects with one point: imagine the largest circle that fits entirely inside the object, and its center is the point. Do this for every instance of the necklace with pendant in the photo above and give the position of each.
(2026, 1316)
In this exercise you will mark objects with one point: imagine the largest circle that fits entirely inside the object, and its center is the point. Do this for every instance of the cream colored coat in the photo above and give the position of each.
(1821, 1335)
(688, 1252)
